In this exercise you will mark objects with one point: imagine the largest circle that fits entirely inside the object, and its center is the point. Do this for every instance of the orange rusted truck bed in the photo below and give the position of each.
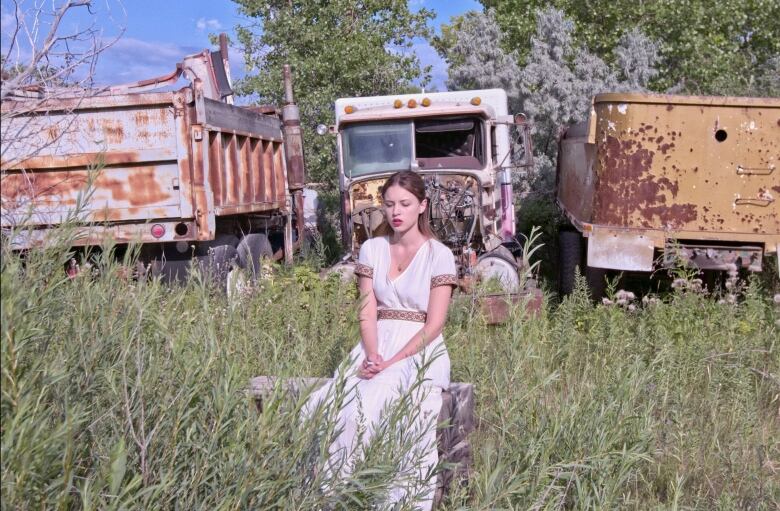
(178, 159)
(647, 171)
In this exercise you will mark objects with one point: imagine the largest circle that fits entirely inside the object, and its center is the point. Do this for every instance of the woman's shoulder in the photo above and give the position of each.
(373, 243)
(439, 247)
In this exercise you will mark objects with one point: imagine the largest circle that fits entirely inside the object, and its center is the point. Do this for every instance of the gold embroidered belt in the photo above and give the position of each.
(416, 316)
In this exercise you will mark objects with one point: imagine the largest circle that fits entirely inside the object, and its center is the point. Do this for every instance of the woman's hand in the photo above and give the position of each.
(371, 366)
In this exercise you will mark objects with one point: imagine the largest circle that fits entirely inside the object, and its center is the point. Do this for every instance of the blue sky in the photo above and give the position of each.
(157, 33)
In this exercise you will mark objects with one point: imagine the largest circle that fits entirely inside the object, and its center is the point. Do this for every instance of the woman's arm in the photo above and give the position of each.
(367, 317)
(438, 303)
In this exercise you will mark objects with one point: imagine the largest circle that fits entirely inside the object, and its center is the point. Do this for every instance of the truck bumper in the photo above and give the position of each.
(635, 249)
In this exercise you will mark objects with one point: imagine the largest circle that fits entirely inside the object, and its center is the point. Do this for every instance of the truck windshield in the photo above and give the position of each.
(377, 147)
(449, 143)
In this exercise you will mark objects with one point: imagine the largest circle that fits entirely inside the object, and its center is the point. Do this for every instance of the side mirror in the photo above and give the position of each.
(523, 150)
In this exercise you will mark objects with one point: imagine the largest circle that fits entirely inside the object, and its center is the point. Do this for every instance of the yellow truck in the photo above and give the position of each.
(651, 178)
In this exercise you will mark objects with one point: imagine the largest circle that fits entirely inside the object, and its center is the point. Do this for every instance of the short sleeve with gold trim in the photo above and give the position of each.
(444, 271)
(365, 265)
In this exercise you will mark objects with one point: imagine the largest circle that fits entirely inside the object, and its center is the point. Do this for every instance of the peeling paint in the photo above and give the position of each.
(661, 164)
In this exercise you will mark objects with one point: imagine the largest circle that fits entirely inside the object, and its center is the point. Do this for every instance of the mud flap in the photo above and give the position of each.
(620, 250)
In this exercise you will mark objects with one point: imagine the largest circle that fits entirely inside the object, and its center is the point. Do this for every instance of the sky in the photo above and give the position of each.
(158, 33)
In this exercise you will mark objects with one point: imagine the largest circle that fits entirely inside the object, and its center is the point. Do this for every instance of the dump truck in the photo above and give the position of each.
(184, 173)
(653, 180)
(459, 142)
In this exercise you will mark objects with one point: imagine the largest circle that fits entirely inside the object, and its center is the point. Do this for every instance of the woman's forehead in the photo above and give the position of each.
(398, 193)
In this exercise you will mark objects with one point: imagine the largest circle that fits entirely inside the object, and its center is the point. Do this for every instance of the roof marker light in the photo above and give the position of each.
(476, 100)
(425, 102)
(412, 103)
(398, 103)
(349, 109)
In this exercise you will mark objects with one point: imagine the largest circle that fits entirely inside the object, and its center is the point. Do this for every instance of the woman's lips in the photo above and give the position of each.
(397, 222)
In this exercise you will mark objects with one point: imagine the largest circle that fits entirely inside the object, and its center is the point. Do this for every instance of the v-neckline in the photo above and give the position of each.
(390, 261)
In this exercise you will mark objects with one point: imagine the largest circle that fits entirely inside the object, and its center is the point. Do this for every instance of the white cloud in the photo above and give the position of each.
(211, 24)
(131, 59)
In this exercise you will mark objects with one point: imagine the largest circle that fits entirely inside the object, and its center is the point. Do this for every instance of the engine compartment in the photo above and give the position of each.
(453, 204)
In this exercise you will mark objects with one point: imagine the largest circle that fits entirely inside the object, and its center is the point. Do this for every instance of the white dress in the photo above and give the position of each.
(401, 306)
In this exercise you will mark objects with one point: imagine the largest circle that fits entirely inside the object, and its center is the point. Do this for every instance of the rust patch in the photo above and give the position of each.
(776, 188)
(627, 186)
(113, 131)
(18, 189)
(144, 189)
(141, 118)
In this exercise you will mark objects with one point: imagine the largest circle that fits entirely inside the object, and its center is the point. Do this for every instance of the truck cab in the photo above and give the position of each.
(459, 142)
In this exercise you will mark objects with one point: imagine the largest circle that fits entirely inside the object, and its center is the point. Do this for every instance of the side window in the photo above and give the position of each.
(456, 142)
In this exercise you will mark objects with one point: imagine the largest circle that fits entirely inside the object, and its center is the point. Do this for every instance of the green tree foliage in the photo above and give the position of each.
(722, 47)
(338, 48)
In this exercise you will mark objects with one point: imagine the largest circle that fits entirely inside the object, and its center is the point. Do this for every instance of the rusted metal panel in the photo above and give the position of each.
(622, 249)
(228, 118)
(184, 154)
(709, 257)
(153, 160)
(119, 193)
(681, 165)
(97, 234)
(692, 168)
(280, 173)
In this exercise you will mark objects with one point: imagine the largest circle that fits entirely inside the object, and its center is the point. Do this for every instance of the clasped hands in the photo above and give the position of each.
(372, 365)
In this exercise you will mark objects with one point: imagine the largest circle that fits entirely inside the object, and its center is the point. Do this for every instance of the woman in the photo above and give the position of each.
(406, 280)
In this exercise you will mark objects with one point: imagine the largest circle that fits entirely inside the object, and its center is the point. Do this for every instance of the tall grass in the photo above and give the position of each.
(125, 394)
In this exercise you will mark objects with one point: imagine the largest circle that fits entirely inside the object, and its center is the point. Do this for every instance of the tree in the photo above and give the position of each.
(337, 48)
(43, 59)
(471, 46)
(723, 47)
(559, 78)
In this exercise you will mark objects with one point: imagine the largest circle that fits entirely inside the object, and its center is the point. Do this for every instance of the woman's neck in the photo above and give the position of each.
(410, 238)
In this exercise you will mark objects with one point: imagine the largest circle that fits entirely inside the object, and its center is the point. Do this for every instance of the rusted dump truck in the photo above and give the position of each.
(185, 173)
(658, 178)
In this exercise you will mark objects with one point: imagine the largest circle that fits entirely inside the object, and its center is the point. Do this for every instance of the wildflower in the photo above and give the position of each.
(777, 298)
(606, 301)
(649, 300)
(631, 307)
(679, 283)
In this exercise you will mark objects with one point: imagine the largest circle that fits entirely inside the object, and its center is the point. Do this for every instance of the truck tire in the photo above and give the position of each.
(203, 248)
(569, 257)
(218, 262)
(252, 249)
(597, 284)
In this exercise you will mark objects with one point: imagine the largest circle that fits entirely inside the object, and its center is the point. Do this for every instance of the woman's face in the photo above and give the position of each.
(402, 208)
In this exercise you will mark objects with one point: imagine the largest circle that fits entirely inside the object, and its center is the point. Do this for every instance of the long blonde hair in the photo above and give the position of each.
(414, 184)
